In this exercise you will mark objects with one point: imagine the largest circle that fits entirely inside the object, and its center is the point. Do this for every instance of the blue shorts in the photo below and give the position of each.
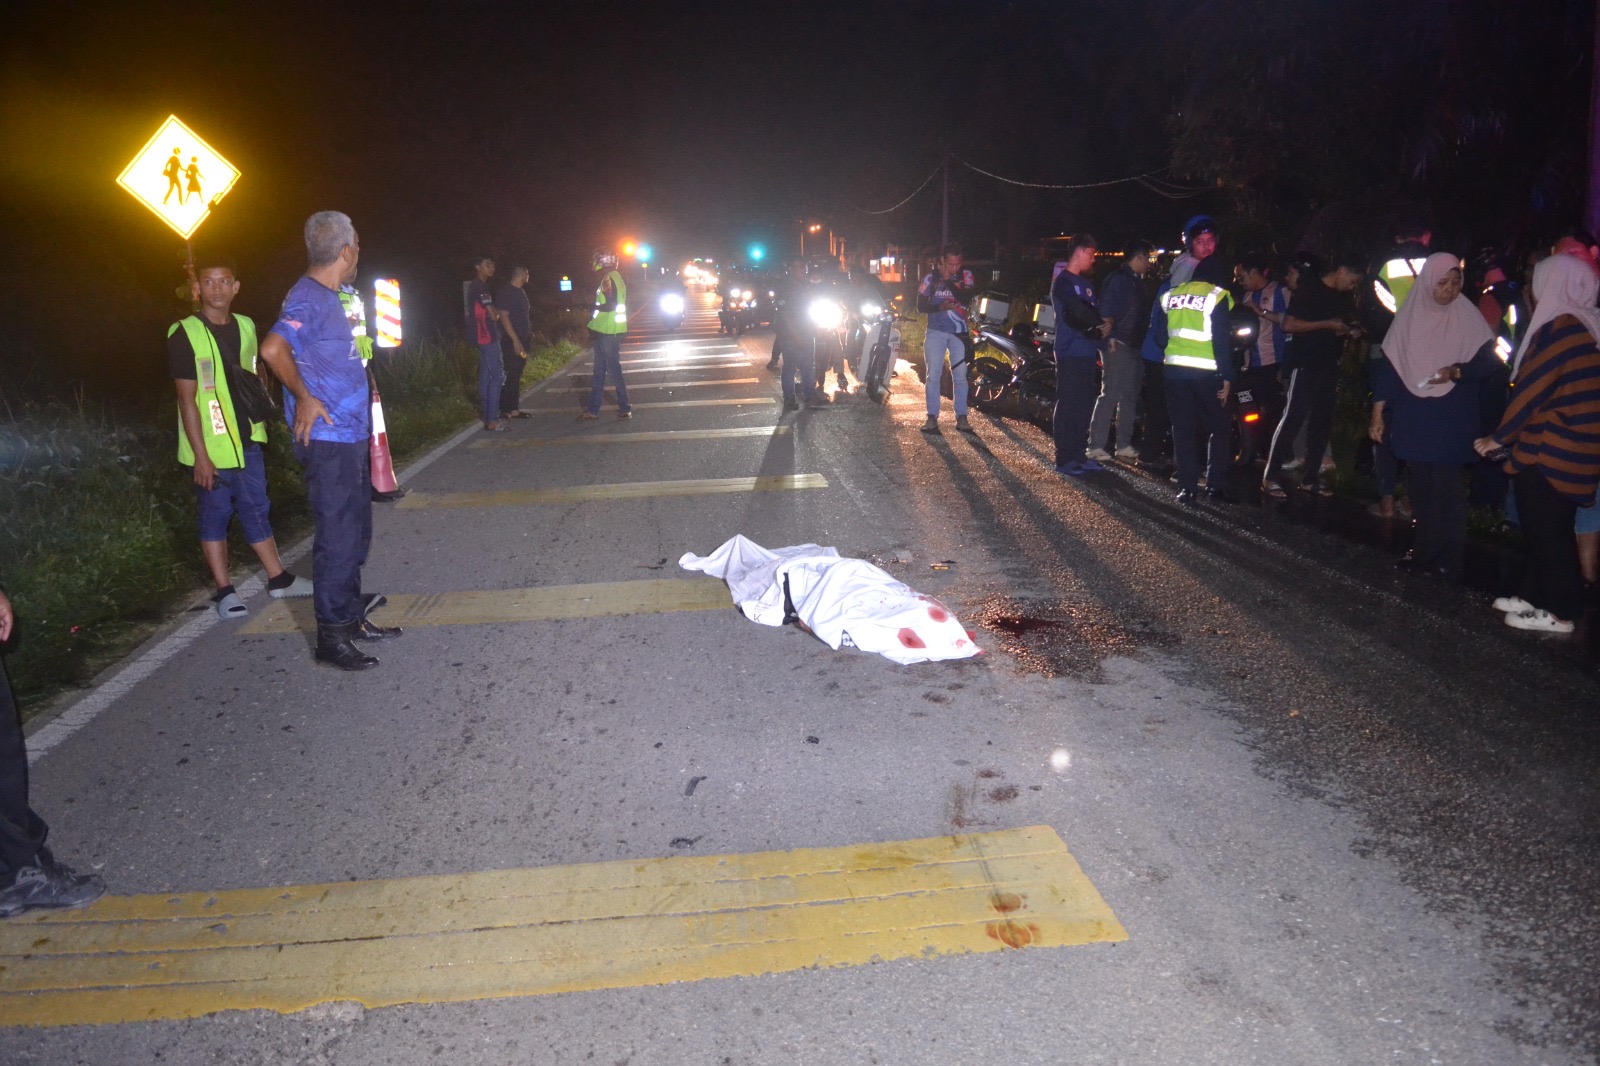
(242, 492)
(1588, 518)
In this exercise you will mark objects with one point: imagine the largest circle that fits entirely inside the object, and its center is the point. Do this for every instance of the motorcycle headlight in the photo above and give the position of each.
(671, 303)
(747, 294)
(826, 313)
(871, 310)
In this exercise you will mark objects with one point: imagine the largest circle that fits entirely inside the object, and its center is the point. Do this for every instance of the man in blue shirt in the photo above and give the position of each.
(328, 405)
(1080, 329)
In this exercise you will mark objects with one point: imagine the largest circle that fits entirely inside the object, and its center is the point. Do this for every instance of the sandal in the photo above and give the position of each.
(231, 606)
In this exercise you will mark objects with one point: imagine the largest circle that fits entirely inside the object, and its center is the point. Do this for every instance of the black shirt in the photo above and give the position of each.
(1315, 302)
(514, 302)
(180, 359)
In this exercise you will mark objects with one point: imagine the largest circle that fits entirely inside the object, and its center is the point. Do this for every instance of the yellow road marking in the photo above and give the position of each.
(486, 606)
(661, 385)
(671, 403)
(622, 490)
(631, 438)
(532, 932)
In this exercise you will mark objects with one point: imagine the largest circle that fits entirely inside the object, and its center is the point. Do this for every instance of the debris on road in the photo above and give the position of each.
(844, 602)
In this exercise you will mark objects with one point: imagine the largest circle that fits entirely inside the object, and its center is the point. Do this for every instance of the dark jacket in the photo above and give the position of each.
(1077, 317)
(1126, 298)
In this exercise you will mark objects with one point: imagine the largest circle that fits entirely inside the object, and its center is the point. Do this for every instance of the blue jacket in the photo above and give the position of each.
(1076, 314)
(1438, 429)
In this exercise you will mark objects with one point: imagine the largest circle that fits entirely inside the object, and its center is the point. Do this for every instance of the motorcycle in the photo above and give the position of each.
(1015, 367)
(880, 348)
(670, 304)
(1248, 402)
(832, 330)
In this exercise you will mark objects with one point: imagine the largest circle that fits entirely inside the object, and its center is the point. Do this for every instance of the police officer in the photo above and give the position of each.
(1198, 364)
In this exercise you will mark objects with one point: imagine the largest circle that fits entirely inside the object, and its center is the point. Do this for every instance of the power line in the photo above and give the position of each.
(1081, 185)
(907, 200)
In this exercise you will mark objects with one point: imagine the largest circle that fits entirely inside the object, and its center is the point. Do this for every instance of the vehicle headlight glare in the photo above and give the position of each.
(826, 313)
(870, 310)
(672, 303)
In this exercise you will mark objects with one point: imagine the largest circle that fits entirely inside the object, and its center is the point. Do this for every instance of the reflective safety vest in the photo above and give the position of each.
(218, 422)
(615, 320)
(1189, 307)
(1394, 281)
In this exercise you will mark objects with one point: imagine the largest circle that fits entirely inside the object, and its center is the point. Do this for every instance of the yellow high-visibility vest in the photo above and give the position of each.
(218, 423)
(615, 320)
(1394, 281)
(1188, 308)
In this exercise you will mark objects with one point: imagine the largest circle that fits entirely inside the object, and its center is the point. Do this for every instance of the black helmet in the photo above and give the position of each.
(1197, 225)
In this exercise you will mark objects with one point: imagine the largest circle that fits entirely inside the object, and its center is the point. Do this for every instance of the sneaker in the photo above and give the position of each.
(1090, 466)
(1127, 453)
(964, 426)
(791, 405)
(1538, 622)
(623, 416)
(1294, 464)
(1100, 454)
(1513, 605)
(1187, 497)
(585, 416)
(48, 885)
(931, 426)
(1071, 470)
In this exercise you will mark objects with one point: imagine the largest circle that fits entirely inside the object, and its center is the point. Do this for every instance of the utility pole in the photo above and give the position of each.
(944, 229)
(1592, 208)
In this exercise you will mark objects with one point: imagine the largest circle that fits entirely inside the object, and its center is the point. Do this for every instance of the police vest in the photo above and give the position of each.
(1189, 307)
(615, 320)
(218, 422)
(1394, 281)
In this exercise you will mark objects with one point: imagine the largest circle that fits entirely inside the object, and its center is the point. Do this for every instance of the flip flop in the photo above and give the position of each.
(231, 606)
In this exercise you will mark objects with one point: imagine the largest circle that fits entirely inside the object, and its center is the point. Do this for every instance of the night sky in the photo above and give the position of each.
(534, 132)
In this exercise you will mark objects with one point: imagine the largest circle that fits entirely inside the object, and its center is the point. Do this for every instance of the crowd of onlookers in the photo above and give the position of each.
(1481, 389)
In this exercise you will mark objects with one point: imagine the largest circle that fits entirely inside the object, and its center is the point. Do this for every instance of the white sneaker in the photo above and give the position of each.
(1513, 605)
(1099, 455)
(1127, 453)
(1539, 622)
(1294, 464)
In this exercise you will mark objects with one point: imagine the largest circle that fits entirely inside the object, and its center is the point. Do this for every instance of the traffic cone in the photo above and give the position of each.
(384, 485)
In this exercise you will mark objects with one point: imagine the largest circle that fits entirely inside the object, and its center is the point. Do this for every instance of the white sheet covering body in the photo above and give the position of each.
(845, 602)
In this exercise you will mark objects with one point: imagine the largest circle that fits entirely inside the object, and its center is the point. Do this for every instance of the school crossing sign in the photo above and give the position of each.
(179, 176)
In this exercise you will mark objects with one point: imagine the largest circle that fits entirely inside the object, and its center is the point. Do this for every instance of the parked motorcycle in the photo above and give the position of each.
(880, 348)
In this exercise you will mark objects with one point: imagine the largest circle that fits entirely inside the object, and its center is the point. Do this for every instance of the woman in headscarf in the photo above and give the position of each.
(1551, 430)
(1436, 352)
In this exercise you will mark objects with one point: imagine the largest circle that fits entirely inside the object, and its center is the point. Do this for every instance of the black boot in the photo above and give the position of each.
(334, 647)
(365, 630)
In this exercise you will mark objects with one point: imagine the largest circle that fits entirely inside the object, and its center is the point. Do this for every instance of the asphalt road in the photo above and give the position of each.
(1343, 817)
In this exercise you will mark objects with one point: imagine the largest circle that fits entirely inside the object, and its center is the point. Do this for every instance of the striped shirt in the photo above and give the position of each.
(1553, 420)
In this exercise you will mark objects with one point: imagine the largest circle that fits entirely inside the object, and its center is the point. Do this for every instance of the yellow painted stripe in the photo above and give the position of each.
(622, 490)
(671, 403)
(486, 606)
(535, 932)
(585, 389)
(649, 436)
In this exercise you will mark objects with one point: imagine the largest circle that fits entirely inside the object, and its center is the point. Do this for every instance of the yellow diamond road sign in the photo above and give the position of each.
(179, 176)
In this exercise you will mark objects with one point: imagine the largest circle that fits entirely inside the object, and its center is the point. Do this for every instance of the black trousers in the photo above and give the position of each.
(22, 832)
(1154, 440)
(1552, 580)
(511, 390)
(1439, 508)
(1076, 391)
(1313, 395)
(340, 495)
(1196, 411)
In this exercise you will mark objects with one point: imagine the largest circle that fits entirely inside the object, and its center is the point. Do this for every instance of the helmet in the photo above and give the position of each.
(1197, 225)
(603, 260)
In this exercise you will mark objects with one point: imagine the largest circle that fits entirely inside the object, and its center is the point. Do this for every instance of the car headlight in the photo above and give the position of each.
(672, 303)
(826, 313)
(871, 310)
(747, 294)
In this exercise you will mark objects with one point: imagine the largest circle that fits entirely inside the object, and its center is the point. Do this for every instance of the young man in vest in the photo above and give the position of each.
(606, 327)
(204, 352)
(1198, 364)
(329, 406)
